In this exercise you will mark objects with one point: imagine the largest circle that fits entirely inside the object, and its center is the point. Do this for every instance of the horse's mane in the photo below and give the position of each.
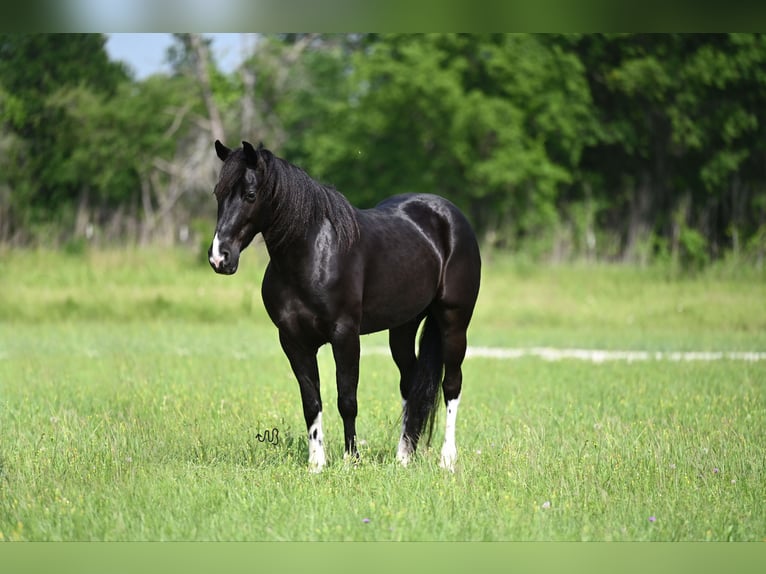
(298, 202)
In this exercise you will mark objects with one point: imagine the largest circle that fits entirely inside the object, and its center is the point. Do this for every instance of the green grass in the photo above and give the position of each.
(133, 385)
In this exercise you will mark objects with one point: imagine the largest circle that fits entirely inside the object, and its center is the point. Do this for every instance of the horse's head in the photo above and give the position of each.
(242, 213)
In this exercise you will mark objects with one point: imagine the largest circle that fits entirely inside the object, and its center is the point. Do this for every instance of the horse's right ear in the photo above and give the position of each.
(251, 155)
(222, 151)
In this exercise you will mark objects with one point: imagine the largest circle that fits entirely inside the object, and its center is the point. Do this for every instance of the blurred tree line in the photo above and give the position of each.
(625, 146)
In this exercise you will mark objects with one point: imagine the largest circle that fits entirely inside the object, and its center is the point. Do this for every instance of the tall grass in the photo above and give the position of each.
(519, 304)
(128, 419)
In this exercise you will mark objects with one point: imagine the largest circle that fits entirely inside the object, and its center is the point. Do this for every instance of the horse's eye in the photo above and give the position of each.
(250, 196)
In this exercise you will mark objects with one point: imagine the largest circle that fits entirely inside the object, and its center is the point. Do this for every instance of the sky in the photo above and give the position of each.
(145, 53)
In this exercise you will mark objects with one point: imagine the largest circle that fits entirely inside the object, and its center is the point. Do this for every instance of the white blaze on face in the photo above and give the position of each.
(316, 445)
(215, 253)
(449, 448)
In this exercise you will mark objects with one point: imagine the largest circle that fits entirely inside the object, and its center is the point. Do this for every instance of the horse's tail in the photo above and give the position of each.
(423, 397)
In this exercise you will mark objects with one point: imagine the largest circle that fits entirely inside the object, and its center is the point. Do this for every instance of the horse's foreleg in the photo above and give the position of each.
(304, 364)
(345, 349)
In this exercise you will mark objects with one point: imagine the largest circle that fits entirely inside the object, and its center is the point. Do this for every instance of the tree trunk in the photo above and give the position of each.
(738, 208)
(680, 220)
(147, 223)
(639, 224)
(248, 95)
(761, 240)
(202, 63)
(82, 218)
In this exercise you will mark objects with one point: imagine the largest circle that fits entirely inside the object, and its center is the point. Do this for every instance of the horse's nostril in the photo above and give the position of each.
(219, 252)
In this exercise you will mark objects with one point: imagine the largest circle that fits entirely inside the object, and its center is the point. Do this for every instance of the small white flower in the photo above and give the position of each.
(546, 504)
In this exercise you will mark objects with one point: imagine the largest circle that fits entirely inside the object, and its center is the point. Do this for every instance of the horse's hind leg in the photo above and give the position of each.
(454, 323)
(401, 340)
(453, 310)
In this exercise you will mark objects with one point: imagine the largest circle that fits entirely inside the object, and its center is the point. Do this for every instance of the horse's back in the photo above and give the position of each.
(444, 226)
(461, 264)
(417, 248)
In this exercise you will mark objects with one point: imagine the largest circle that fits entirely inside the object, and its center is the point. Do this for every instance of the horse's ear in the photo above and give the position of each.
(222, 151)
(251, 155)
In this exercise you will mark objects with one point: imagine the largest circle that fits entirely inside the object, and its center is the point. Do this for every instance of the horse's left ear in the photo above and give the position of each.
(222, 151)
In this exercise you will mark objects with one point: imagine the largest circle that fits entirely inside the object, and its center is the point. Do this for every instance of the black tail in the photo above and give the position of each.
(423, 397)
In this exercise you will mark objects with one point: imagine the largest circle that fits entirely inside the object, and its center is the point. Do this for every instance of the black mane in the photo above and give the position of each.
(297, 201)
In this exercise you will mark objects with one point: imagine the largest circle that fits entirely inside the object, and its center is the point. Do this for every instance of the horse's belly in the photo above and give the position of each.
(403, 251)
(397, 296)
(373, 322)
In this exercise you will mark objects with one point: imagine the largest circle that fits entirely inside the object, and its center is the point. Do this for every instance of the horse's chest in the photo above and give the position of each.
(302, 310)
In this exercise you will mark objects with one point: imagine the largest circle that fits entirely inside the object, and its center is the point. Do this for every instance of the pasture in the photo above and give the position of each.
(140, 392)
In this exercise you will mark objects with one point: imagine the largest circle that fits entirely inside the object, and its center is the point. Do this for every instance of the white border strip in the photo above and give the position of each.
(597, 355)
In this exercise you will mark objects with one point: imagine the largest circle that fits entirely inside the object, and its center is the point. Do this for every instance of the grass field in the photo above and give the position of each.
(135, 387)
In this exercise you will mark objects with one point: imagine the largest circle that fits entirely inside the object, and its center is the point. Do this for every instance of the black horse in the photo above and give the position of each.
(337, 272)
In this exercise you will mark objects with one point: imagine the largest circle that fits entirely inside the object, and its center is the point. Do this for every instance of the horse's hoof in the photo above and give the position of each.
(448, 457)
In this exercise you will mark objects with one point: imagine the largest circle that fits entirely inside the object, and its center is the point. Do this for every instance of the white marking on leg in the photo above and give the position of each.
(215, 255)
(404, 450)
(449, 448)
(316, 445)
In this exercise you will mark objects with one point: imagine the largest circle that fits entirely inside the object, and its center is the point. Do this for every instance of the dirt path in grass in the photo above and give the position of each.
(598, 355)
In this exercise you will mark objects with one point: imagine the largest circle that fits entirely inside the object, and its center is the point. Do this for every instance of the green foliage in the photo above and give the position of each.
(494, 122)
(568, 146)
(693, 249)
(679, 112)
(83, 132)
(44, 169)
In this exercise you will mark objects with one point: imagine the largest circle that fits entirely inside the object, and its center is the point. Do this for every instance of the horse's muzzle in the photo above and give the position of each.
(224, 268)
(223, 258)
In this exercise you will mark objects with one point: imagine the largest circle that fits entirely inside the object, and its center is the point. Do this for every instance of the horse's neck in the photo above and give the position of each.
(291, 251)
(304, 251)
